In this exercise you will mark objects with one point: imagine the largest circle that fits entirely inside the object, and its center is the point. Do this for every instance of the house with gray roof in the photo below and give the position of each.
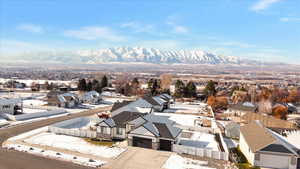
(91, 97)
(232, 130)
(154, 132)
(266, 149)
(11, 106)
(115, 126)
(67, 100)
(241, 109)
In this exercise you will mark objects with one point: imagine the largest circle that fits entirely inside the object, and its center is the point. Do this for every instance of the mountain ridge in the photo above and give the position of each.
(133, 55)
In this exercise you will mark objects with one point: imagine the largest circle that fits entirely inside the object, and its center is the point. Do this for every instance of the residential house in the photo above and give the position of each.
(270, 122)
(67, 100)
(232, 130)
(154, 132)
(240, 109)
(266, 149)
(11, 106)
(115, 126)
(91, 97)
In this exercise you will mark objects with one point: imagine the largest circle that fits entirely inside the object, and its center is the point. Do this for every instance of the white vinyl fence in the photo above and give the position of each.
(218, 155)
(73, 132)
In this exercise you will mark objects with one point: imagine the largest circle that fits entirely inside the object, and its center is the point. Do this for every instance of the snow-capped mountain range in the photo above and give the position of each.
(150, 55)
(131, 55)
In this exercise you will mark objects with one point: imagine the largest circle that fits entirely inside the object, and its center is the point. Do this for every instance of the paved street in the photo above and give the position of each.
(10, 159)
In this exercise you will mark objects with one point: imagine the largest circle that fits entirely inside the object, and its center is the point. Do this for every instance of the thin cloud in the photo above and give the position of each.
(30, 28)
(289, 19)
(94, 33)
(173, 21)
(180, 29)
(138, 27)
(237, 44)
(263, 4)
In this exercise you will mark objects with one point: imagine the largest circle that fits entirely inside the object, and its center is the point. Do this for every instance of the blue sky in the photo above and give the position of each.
(268, 29)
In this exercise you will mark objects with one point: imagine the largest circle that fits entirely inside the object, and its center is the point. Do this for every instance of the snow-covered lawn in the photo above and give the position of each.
(34, 102)
(187, 108)
(58, 155)
(177, 162)
(28, 111)
(181, 119)
(3, 122)
(74, 144)
(200, 140)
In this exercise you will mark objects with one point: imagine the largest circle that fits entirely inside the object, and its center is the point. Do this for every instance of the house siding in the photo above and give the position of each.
(246, 150)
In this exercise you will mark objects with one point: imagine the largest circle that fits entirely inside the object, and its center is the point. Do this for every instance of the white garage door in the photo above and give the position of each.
(272, 161)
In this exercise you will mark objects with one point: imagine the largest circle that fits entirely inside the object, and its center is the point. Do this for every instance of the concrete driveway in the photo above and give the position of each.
(139, 158)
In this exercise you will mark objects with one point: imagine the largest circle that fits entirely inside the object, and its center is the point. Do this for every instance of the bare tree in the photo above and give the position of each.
(166, 81)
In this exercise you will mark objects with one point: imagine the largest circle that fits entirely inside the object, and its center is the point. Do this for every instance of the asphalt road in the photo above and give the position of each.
(11, 159)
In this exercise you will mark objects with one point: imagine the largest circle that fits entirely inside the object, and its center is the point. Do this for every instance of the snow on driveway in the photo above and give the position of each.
(177, 162)
(74, 144)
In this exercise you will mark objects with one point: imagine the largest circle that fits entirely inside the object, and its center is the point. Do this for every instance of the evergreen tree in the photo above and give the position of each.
(179, 88)
(82, 85)
(191, 90)
(154, 86)
(210, 89)
(104, 81)
(98, 88)
(94, 84)
(89, 86)
(135, 85)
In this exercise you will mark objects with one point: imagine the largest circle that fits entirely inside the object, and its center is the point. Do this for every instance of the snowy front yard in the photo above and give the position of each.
(57, 155)
(74, 144)
(178, 162)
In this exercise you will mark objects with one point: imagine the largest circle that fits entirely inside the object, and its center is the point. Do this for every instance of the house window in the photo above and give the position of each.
(293, 161)
(257, 157)
(119, 131)
(104, 130)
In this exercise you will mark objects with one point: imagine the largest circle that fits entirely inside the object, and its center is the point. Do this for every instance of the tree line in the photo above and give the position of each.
(96, 85)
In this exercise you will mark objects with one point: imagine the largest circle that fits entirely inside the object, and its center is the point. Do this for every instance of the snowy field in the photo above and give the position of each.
(34, 102)
(29, 111)
(181, 119)
(74, 144)
(200, 140)
(3, 122)
(22, 95)
(187, 108)
(57, 155)
(178, 162)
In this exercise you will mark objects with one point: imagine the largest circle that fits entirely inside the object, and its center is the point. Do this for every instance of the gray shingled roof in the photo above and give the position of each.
(161, 126)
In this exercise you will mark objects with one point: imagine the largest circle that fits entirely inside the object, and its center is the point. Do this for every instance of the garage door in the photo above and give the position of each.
(273, 161)
(141, 142)
(165, 145)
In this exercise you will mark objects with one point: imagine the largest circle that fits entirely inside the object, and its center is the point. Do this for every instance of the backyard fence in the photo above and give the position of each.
(218, 155)
(73, 132)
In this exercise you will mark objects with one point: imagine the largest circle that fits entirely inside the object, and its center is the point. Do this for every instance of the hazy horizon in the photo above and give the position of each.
(265, 30)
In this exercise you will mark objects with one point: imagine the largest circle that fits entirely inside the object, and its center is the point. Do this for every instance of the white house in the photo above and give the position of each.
(154, 132)
(91, 97)
(240, 109)
(11, 106)
(267, 149)
(115, 127)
